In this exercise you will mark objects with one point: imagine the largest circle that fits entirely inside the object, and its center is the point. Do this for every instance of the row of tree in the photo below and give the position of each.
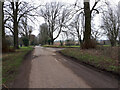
(78, 21)
(70, 19)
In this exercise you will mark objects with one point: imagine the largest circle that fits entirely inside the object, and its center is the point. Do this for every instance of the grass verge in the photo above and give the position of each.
(55, 46)
(99, 61)
(11, 63)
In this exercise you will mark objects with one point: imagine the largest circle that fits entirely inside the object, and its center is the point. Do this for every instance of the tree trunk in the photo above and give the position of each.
(16, 36)
(87, 42)
(87, 32)
(119, 41)
(16, 46)
(52, 39)
(113, 43)
(79, 39)
(5, 47)
(52, 42)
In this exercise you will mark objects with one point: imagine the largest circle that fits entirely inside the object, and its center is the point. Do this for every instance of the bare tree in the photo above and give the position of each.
(111, 23)
(5, 47)
(96, 33)
(24, 27)
(51, 12)
(56, 16)
(17, 10)
(77, 26)
(88, 13)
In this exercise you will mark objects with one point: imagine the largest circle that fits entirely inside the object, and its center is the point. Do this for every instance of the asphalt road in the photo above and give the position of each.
(51, 70)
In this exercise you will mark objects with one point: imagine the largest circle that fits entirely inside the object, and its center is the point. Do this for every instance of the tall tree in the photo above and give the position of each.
(15, 23)
(111, 24)
(88, 13)
(17, 10)
(5, 47)
(56, 16)
(0, 27)
(51, 12)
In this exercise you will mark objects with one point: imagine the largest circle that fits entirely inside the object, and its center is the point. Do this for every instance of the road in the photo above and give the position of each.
(51, 70)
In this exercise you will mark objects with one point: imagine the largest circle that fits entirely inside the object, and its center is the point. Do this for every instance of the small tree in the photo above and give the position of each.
(43, 34)
(25, 41)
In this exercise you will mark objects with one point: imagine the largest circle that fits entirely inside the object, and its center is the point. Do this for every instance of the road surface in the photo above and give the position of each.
(50, 70)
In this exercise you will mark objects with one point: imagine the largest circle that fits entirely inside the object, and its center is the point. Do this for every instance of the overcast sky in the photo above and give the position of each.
(41, 20)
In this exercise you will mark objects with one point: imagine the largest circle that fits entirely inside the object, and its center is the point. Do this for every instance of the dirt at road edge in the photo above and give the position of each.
(22, 77)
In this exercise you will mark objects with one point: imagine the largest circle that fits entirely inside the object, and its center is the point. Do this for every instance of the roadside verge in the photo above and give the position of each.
(99, 62)
(11, 63)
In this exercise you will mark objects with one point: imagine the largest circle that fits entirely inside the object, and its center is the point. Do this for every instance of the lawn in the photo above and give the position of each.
(11, 63)
(103, 57)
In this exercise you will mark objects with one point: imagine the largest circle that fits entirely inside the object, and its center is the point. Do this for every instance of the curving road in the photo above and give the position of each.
(51, 70)
(48, 72)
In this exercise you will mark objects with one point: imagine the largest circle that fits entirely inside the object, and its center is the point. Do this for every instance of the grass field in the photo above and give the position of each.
(103, 58)
(11, 62)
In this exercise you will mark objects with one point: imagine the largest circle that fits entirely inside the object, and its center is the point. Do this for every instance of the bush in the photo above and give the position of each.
(90, 44)
(25, 41)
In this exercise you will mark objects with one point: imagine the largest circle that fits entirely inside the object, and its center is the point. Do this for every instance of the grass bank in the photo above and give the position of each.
(56, 46)
(102, 58)
(11, 63)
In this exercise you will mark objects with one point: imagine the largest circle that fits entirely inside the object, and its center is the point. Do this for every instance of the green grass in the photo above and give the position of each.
(55, 46)
(99, 61)
(106, 45)
(11, 62)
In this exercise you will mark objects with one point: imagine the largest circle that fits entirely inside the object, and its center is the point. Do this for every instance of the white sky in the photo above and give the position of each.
(41, 20)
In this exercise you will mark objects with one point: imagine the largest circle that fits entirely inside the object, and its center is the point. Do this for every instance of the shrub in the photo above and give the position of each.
(90, 44)
(25, 41)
